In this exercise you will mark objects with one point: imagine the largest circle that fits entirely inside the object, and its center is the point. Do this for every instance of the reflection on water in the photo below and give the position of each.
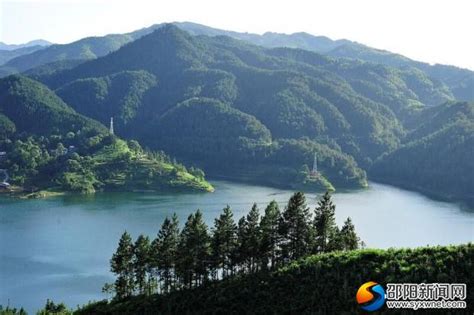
(60, 247)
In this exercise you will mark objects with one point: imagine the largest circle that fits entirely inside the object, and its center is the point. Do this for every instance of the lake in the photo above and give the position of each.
(60, 247)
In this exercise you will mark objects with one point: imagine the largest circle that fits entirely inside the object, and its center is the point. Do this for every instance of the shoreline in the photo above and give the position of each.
(19, 193)
(436, 196)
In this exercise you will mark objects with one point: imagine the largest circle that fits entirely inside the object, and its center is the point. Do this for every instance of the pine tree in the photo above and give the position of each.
(224, 243)
(141, 262)
(326, 232)
(252, 236)
(295, 229)
(194, 251)
(164, 252)
(348, 236)
(241, 254)
(249, 240)
(122, 265)
(270, 238)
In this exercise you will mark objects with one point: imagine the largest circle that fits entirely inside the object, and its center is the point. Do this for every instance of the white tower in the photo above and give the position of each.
(111, 125)
(314, 171)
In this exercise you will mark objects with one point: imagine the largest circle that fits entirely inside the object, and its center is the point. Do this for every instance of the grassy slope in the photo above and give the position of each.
(324, 284)
(141, 172)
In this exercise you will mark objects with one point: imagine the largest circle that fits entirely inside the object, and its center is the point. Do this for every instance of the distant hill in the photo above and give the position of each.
(87, 48)
(83, 49)
(6, 55)
(37, 42)
(460, 82)
(300, 40)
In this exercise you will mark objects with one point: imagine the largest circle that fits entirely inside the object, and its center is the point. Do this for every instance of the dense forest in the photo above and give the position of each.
(261, 113)
(323, 284)
(437, 156)
(49, 148)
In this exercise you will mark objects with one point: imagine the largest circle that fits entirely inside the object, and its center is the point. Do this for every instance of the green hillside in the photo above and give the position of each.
(249, 113)
(437, 156)
(50, 147)
(291, 98)
(6, 55)
(324, 284)
(35, 109)
(119, 96)
(352, 111)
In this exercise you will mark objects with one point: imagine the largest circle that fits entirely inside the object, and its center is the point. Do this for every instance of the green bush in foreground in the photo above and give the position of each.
(323, 284)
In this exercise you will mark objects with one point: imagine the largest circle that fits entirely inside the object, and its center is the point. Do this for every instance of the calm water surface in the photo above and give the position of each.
(60, 247)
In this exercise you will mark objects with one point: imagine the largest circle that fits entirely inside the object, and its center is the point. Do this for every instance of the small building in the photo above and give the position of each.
(4, 185)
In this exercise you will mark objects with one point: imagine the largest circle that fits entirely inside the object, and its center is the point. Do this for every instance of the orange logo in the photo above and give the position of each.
(370, 296)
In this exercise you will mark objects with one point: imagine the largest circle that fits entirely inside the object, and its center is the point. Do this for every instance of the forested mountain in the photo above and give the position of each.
(6, 55)
(320, 44)
(118, 95)
(437, 157)
(80, 50)
(246, 112)
(47, 145)
(290, 98)
(84, 49)
(459, 82)
(33, 108)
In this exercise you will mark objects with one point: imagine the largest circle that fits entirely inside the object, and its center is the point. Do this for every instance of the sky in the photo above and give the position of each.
(434, 31)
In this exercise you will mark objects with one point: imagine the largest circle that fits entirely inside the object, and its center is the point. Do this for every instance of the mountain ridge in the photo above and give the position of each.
(36, 42)
(197, 97)
(459, 80)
